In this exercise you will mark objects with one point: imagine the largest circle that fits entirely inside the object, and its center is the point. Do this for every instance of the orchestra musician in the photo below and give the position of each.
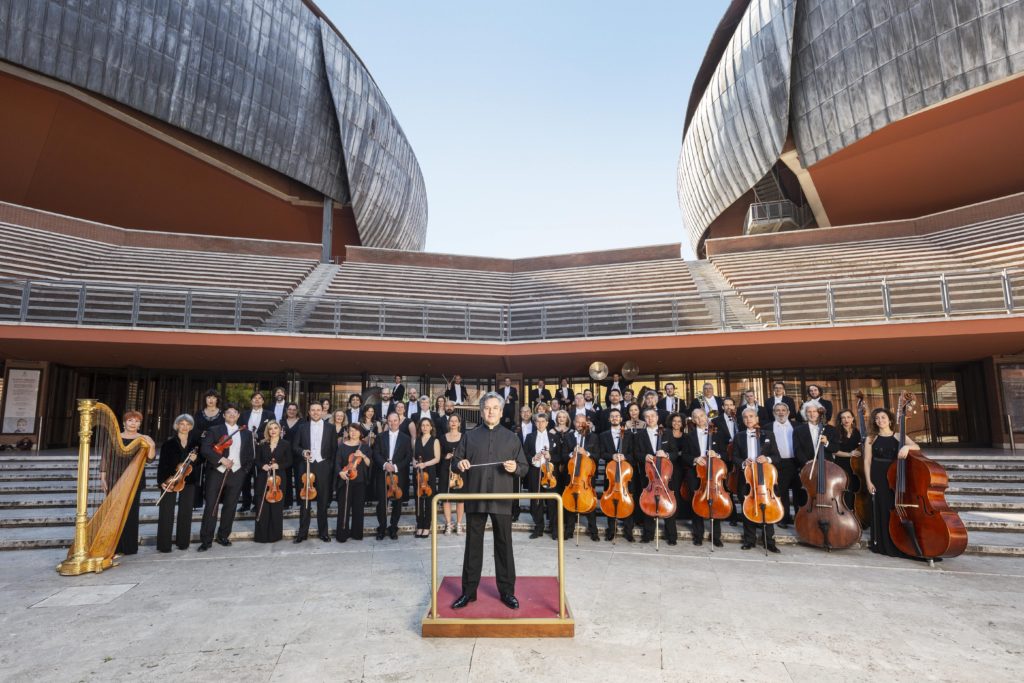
(256, 418)
(511, 397)
(315, 443)
(208, 416)
(523, 430)
(579, 407)
(701, 442)
(755, 445)
(670, 403)
(325, 409)
(398, 390)
(173, 453)
(456, 392)
(354, 410)
(540, 394)
(352, 502)
(289, 427)
(811, 431)
(426, 456)
(707, 401)
(764, 415)
(849, 447)
(649, 444)
(128, 543)
(537, 447)
(387, 406)
(581, 436)
(449, 444)
(617, 383)
(814, 394)
(881, 450)
(490, 458)
(564, 393)
(412, 402)
(727, 427)
(588, 400)
(789, 473)
(616, 444)
(225, 474)
(338, 422)
(423, 410)
(779, 396)
(280, 404)
(392, 453)
(273, 455)
(615, 403)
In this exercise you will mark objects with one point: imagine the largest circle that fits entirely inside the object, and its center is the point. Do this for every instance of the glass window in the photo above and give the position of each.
(741, 381)
(1012, 379)
(869, 382)
(950, 422)
(917, 417)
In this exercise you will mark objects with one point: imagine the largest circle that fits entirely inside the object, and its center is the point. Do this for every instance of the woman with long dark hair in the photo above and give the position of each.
(881, 450)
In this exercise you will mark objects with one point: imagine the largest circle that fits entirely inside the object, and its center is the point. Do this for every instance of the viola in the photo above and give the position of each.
(225, 442)
(579, 496)
(761, 505)
(825, 521)
(657, 499)
(308, 491)
(616, 501)
(547, 473)
(176, 482)
(711, 500)
(859, 487)
(921, 523)
(392, 490)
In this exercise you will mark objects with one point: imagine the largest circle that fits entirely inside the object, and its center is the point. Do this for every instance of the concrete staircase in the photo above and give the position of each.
(710, 282)
(302, 301)
(37, 504)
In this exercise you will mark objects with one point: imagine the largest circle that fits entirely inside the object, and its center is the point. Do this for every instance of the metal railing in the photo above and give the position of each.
(844, 301)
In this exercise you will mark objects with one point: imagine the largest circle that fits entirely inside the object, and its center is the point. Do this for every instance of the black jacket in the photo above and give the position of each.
(722, 435)
(770, 405)
(825, 403)
(680, 405)
(265, 417)
(565, 395)
(450, 394)
(301, 442)
(398, 393)
(171, 455)
(482, 446)
(537, 395)
(214, 434)
(402, 457)
(764, 415)
(695, 403)
(766, 443)
(803, 444)
(606, 445)
(607, 384)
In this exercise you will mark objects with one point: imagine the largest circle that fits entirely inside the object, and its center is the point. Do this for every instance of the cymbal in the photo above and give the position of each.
(630, 370)
(598, 371)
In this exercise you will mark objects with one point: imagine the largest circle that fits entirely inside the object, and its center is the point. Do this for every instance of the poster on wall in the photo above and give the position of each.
(21, 401)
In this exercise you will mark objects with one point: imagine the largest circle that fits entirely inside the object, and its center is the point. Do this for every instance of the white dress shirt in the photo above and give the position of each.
(542, 444)
(392, 442)
(279, 410)
(652, 434)
(255, 417)
(702, 440)
(505, 391)
(731, 424)
(234, 452)
(526, 428)
(784, 438)
(752, 444)
(316, 438)
(458, 392)
(670, 404)
(711, 403)
(617, 438)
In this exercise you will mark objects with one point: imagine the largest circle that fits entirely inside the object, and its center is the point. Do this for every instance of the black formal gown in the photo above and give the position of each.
(128, 543)
(884, 450)
(270, 516)
(848, 444)
(172, 453)
(351, 495)
(444, 468)
(423, 452)
(290, 474)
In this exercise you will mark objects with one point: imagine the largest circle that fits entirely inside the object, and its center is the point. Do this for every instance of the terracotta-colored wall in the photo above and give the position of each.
(63, 155)
(961, 152)
(729, 223)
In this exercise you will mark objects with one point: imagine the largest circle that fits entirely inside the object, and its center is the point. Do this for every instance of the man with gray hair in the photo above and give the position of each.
(490, 458)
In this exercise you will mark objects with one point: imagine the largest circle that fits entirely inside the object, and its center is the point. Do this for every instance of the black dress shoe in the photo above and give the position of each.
(783, 525)
(593, 535)
(380, 534)
(718, 543)
(774, 548)
(243, 508)
(629, 538)
(223, 541)
(510, 601)
(463, 600)
(393, 534)
(698, 541)
(644, 539)
(340, 539)
(732, 522)
(671, 542)
(203, 547)
(298, 539)
(325, 538)
(535, 534)
(746, 546)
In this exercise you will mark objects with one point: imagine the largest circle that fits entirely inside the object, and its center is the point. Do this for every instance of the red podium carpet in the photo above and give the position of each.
(537, 616)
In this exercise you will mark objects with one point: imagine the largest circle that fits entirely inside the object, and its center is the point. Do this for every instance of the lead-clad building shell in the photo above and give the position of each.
(831, 72)
(268, 79)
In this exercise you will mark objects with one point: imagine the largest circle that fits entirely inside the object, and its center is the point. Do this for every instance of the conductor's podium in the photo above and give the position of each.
(543, 611)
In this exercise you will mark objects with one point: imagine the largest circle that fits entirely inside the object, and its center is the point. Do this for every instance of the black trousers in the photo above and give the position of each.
(247, 488)
(323, 472)
(538, 508)
(789, 487)
(699, 527)
(570, 521)
(128, 543)
(750, 532)
(288, 476)
(473, 560)
(228, 501)
(166, 521)
(383, 503)
(423, 507)
(350, 513)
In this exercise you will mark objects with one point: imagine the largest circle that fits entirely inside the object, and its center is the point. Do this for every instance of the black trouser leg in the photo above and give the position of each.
(788, 486)
(396, 514)
(165, 522)
(324, 485)
(287, 476)
(228, 504)
(297, 473)
(128, 544)
(213, 480)
(356, 502)
(473, 558)
(699, 527)
(183, 532)
(671, 531)
(246, 488)
(750, 532)
(504, 563)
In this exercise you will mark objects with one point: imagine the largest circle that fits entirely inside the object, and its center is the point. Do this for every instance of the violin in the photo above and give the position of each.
(921, 523)
(227, 440)
(273, 493)
(351, 469)
(547, 475)
(711, 500)
(825, 521)
(392, 490)
(761, 505)
(308, 491)
(859, 487)
(657, 499)
(176, 482)
(423, 484)
(579, 496)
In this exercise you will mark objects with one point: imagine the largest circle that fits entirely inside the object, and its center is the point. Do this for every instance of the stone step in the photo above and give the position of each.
(982, 467)
(983, 476)
(1005, 503)
(987, 489)
(982, 520)
(992, 455)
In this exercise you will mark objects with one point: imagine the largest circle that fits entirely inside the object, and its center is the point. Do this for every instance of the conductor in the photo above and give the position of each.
(491, 459)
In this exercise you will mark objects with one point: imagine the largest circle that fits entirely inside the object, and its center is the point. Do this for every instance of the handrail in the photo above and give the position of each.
(462, 497)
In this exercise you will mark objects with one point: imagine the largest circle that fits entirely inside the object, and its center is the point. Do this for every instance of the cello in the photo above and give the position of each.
(761, 505)
(657, 499)
(825, 521)
(712, 500)
(616, 501)
(861, 495)
(579, 496)
(921, 524)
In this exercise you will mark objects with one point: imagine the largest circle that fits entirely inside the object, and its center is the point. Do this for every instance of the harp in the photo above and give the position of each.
(100, 516)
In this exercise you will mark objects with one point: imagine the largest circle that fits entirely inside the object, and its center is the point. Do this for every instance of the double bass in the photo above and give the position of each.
(825, 521)
(861, 495)
(657, 499)
(921, 523)
(579, 496)
(712, 500)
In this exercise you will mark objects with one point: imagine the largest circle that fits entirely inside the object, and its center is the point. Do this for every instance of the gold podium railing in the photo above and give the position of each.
(463, 497)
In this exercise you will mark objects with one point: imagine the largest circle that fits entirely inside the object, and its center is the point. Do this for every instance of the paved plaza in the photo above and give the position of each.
(352, 613)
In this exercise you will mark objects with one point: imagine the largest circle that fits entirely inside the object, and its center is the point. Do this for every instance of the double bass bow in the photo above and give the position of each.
(921, 524)
(761, 505)
(657, 500)
(579, 496)
(712, 500)
(825, 521)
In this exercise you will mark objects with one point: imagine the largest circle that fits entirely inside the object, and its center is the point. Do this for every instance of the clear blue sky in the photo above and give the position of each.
(542, 127)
